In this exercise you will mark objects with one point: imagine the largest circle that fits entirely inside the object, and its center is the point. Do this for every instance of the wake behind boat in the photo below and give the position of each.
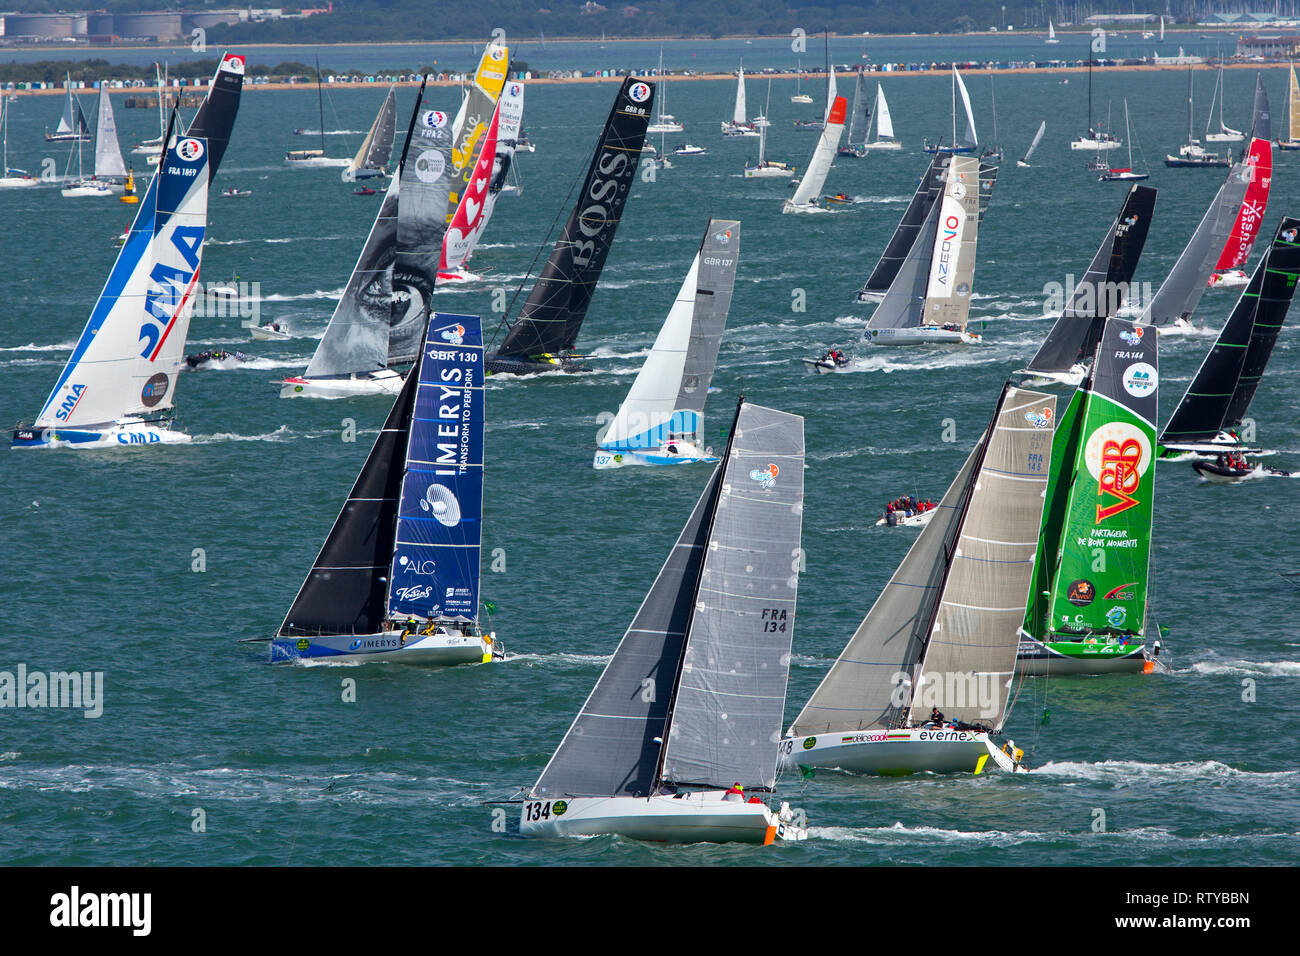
(661, 422)
(397, 578)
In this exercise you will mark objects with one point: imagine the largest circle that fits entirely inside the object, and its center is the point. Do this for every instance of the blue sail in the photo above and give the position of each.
(435, 571)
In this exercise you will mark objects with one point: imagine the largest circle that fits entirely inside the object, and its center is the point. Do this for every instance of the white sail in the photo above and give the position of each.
(651, 401)
(1051, 32)
(108, 154)
(820, 165)
(1038, 137)
(952, 263)
(830, 93)
(971, 136)
(884, 123)
(738, 114)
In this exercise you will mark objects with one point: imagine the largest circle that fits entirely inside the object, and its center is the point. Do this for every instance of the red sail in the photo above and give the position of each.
(1260, 162)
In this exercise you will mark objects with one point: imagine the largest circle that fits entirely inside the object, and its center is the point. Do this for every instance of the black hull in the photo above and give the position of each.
(515, 365)
(1191, 164)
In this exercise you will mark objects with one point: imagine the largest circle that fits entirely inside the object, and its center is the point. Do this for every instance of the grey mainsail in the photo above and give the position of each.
(909, 227)
(970, 656)
(860, 690)
(1182, 289)
(377, 148)
(356, 339)
(426, 177)
(904, 302)
(108, 154)
(988, 179)
(725, 720)
(860, 118)
(944, 629)
(715, 280)
(610, 750)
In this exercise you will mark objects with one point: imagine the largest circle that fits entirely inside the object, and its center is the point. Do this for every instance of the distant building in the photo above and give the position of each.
(1122, 19)
(1277, 45)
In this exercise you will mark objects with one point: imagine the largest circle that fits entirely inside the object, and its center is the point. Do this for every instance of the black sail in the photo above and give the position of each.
(216, 116)
(891, 260)
(1104, 286)
(1222, 389)
(346, 591)
(550, 319)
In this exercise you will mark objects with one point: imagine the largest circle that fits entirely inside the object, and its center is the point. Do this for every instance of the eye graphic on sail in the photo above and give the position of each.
(440, 501)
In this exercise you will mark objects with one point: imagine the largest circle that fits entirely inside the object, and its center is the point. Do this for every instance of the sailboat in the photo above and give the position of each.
(801, 124)
(1089, 613)
(666, 122)
(1174, 302)
(661, 422)
(152, 148)
(1070, 343)
(10, 178)
(1192, 154)
(477, 109)
(928, 300)
(970, 139)
(942, 634)
(1207, 419)
(859, 122)
(656, 765)
(72, 123)
(1126, 174)
(315, 158)
(378, 321)
(767, 168)
(1292, 114)
(927, 193)
(1051, 33)
(491, 181)
(545, 332)
(1095, 139)
(884, 124)
(738, 126)
(108, 156)
(1225, 133)
(1228, 271)
(376, 149)
(805, 196)
(1023, 162)
(799, 95)
(119, 384)
(397, 578)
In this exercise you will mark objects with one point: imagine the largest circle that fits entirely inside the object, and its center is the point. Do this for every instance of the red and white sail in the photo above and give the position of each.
(1259, 173)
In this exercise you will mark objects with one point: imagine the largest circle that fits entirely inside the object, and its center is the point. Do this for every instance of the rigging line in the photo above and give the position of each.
(540, 249)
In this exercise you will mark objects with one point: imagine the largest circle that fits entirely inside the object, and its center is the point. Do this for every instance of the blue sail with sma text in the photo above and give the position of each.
(435, 572)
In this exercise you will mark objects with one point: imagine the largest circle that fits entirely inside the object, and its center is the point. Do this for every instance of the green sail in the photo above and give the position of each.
(1060, 474)
(1099, 584)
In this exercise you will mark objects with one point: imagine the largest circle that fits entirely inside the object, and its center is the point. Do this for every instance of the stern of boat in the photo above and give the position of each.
(688, 817)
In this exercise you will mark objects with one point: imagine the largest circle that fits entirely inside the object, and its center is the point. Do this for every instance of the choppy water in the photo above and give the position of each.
(96, 564)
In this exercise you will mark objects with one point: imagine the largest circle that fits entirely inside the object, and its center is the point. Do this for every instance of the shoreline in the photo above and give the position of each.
(695, 77)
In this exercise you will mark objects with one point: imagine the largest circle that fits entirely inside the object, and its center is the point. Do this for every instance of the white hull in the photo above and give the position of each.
(665, 128)
(918, 520)
(445, 648)
(871, 297)
(78, 190)
(895, 752)
(1232, 279)
(1073, 377)
(1225, 138)
(386, 382)
(264, 334)
(125, 432)
(801, 98)
(888, 144)
(770, 171)
(823, 367)
(688, 453)
(1177, 327)
(923, 335)
(701, 817)
(789, 206)
(1085, 142)
(351, 175)
(457, 277)
(17, 182)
